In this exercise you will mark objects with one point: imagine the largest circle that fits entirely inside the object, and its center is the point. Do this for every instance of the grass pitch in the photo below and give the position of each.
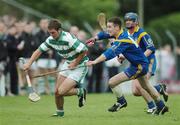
(20, 111)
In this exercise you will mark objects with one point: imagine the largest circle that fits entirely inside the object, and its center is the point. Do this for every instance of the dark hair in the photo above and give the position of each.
(54, 24)
(116, 21)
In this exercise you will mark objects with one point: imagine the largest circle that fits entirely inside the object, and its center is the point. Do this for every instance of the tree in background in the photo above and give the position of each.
(75, 11)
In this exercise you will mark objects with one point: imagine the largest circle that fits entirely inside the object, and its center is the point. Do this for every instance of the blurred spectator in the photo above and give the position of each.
(28, 42)
(166, 66)
(178, 62)
(34, 27)
(96, 72)
(74, 30)
(8, 20)
(20, 27)
(82, 35)
(13, 48)
(29, 45)
(21, 78)
(3, 59)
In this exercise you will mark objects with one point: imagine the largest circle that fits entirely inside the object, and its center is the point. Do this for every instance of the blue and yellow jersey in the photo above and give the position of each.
(144, 41)
(127, 46)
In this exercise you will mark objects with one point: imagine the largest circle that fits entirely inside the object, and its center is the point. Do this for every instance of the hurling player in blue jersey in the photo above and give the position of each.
(145, 42)
(138, 69)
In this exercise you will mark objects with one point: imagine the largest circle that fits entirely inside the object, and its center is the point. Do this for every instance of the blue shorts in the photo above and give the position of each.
(152, 66)
(134, 72)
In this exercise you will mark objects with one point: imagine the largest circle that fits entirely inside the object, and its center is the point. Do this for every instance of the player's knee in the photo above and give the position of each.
(60, 92)
(145, 88)
(111, 84)
(136, 92)
(56, 93)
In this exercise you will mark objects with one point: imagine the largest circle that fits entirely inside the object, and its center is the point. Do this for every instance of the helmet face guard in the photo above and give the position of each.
(131, 16)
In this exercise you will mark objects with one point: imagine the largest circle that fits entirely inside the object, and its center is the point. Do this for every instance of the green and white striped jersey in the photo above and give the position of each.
(67, 46)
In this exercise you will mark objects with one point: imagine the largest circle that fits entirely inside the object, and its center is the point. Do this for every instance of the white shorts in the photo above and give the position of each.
(77, 75)
(46, 63)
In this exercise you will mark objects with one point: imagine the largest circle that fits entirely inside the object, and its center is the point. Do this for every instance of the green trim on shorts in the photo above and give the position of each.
(78, 84)
(83, 73)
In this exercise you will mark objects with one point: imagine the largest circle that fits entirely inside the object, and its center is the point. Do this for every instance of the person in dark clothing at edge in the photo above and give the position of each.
(13, 47)
(96, 72)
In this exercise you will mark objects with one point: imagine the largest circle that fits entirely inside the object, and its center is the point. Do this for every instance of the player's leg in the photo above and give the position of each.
(64, 87)
(135, 88)
(78, 75)
(59, 100)
(71, 89)
(114, 84)
(67, 88)
(80, 92)
(139, 91)
(161, 88)
(161, 108)
(129, 73)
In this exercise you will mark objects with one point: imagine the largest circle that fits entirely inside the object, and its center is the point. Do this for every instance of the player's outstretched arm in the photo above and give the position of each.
(34, 56)
(99, 36)
(101, 58)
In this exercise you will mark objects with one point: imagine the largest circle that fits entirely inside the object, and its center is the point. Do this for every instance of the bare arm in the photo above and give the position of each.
(101, 58)
(34, 56)
(77, 60)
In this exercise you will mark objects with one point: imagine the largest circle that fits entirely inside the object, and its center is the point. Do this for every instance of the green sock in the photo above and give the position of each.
(60, 112)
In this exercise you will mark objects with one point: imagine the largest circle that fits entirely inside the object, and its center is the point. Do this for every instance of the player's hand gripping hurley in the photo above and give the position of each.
(33, 96)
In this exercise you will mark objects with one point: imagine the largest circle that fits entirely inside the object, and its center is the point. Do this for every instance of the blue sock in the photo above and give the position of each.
(121, 100)
(151, 105)
(160, 104)
(158, 87)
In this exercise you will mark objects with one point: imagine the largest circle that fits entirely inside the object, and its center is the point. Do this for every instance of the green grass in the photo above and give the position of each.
(20, 111)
